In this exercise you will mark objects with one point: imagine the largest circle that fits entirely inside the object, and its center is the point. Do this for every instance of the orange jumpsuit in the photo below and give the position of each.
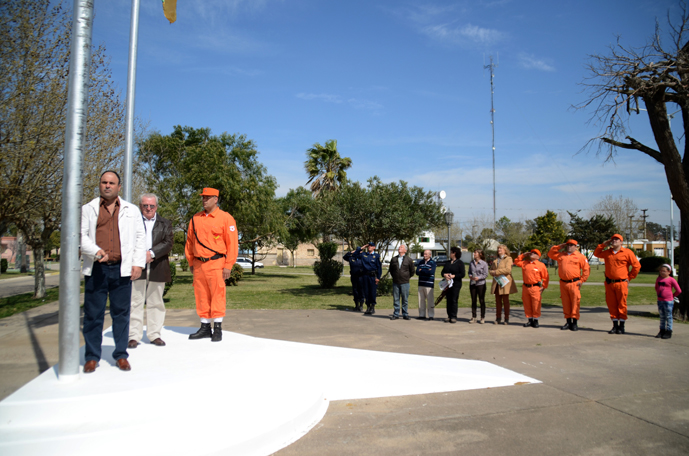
(618, 274)
(217, 231)
(533, 272)
(570, 268)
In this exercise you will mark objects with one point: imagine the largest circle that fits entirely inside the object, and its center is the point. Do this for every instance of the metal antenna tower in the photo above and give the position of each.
(491, 66)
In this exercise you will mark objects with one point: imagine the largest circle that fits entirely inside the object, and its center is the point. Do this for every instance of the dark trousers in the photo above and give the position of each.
(480, 292)
(104, 282)
(500, 301)
(357, 289)
(370, 288)
(452, 298)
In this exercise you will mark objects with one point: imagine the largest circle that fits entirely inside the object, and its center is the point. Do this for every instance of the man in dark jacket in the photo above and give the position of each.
(148, 289)
(426, 273)
(355, 273)
(401, 270)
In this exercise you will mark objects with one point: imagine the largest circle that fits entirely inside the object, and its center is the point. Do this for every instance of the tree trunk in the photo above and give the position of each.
(39, 273)
(680, 311)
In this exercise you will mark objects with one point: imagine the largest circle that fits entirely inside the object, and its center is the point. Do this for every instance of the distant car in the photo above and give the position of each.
(246, 263)
(440, 259)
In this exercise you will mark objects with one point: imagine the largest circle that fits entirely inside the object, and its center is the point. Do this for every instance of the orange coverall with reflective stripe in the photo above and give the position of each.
(617, 268)
(570, 266)
(217, 231)
(532, 272)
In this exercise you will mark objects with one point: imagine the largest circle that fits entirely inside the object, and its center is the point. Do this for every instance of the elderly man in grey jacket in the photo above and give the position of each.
(401, 270)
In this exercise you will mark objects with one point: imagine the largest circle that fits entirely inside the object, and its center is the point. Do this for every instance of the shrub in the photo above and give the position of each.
(3, 265)
(384, 286)
(236, 275)
(184, 264)
(326, 269)
(644, 254)
(173, 274)
(651, 264)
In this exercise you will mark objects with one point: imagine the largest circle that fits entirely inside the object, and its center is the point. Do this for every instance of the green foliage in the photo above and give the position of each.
(652, 263)
(549, 231)
(297, 205)
(236, 274)
(178, 243)
(592, 232)
(3, 265)
(417, 249)
(514, 235)
(644, 254)
(173, 274)
(184, 264)
(325, 168)
(384, 286)
(326, 269)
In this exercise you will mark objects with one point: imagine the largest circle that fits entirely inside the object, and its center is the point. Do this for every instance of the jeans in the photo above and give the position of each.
(105, 281)
(400, 290)
(478, 291)
(665, 311)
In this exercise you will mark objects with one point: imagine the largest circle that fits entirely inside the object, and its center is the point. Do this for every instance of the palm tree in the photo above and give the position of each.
(325, 167)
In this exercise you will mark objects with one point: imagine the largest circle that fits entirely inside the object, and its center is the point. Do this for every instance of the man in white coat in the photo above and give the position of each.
(112, 247)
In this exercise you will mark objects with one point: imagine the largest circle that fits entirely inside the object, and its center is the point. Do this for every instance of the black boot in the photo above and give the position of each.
(620, 329)
(567, 325)
(528, 323)
(667, 335)
(660, 334)
(217, 332)
(615, 327)
(373, 309)
(368, 309)
(203, 333)
(535, 323)
(573, 326)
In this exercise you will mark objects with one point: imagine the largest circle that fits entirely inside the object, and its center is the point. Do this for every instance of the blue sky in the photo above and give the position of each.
(402, 87)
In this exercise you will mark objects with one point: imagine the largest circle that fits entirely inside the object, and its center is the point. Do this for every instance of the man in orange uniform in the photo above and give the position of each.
(535, 275)
(573, 270)
(617, 276)
(211, 251)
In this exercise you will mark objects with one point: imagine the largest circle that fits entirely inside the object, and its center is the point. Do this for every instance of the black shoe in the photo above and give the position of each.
(217, 332)
(528, 323)
(667, 335)
(660, 334)
(203, 333)
(394, 317)
(573, 326)
(620, 328)
(373, 309)
(535, 323)
(615, 326)
(368, 310)
(567, 325)
(406, 317)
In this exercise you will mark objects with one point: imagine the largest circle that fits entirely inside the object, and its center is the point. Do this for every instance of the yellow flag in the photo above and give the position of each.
(170, 10)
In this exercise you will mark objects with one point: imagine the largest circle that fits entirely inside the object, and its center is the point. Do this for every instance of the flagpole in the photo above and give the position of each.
(70, 265)
(131, 92)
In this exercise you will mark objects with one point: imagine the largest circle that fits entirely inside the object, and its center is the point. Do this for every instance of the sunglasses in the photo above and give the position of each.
(148, 206)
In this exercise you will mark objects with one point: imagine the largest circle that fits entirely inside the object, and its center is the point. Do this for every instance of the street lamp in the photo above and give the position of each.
(448, 221)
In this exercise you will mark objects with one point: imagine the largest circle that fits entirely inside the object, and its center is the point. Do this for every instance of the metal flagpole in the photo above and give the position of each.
(131, 91)
(70, 266)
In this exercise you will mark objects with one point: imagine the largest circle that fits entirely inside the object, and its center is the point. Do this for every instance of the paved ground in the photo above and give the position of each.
(601, 394)
(19, 285)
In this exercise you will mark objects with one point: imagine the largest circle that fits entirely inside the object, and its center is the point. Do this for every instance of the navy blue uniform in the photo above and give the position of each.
(372, 270)
(356, 271)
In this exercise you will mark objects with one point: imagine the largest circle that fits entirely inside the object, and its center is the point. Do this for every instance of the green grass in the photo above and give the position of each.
(297, 288)
(20, 303)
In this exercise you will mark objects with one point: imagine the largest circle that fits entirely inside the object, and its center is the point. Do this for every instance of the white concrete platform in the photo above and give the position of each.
(244, 395)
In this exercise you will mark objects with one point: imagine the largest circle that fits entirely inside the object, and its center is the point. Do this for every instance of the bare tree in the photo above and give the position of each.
(620, 209)
(653, 79)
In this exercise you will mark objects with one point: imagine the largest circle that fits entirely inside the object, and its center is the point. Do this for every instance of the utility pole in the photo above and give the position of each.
(644, 217)
(491, 66)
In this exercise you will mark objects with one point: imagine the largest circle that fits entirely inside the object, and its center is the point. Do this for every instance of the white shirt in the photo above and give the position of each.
(148, 224)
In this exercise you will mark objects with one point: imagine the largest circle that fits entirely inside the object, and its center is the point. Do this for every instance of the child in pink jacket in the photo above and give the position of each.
(664, 285)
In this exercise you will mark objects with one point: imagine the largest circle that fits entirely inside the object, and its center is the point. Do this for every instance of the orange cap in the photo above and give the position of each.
(618, 236)
(536, 251)
(210, 192)
(571, 241)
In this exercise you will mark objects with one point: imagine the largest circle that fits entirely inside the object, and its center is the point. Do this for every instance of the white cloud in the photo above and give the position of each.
(326, 97)
(531, 62)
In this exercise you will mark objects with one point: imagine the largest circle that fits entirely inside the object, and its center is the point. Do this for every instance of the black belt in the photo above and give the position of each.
(373, 274)
(214, 257)
(570, 281)
(532, 285)
(614, 280)
(113, 263)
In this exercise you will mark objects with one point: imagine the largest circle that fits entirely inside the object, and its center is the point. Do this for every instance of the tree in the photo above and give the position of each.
(296, 206)
(177, 166)
(456, 235)
(592, 232)
(34, 67)
(515, 235)
(549, 231)
(619, 209)
(655, 76)
(325, 167)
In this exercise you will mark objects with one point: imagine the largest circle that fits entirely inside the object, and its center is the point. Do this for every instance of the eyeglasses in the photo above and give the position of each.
(148, 206)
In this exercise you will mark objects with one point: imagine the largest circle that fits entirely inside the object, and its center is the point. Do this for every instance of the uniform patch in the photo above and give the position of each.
(231, 227)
